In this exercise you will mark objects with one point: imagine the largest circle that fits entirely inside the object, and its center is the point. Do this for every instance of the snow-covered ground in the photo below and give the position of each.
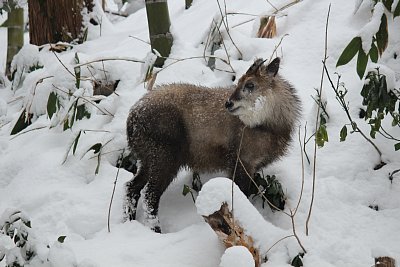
(69, 199)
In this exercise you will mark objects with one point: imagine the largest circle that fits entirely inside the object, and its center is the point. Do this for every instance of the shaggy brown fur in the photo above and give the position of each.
(183, 125)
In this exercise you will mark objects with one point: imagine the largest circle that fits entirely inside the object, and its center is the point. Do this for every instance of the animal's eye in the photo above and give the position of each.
(249, 85)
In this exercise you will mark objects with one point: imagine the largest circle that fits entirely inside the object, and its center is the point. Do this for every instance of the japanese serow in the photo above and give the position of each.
(184, 125)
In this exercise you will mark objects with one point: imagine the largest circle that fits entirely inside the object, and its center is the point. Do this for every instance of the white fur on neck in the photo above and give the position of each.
(259, 113)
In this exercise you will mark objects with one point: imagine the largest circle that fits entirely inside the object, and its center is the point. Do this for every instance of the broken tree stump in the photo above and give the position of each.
(230, 232)
(267, 27)
(385, 262)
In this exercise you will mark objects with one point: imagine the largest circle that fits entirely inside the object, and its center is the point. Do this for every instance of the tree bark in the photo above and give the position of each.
(15, 35)
(51, 21)
(159, 24)
(385, 262)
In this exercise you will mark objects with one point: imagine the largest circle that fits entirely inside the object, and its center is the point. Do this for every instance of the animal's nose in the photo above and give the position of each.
(228, 104)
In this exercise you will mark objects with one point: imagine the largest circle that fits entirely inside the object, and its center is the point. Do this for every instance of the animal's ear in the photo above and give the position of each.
(273, 67)
(255, 68)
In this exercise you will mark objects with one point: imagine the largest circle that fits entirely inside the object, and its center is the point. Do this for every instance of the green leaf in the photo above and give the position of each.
(343, 133)
(77, 71)
(52, 104)
(388, 4)
(350, 51)
(66, 125)
(96, 148)
(61, 238)
(186, 190)
(76, 58)
(81, 112)
(98, 164)
(22, 122)
(27, 223)
(382, 36)
(362, 61)
(321, 135)
(373, 53)
(396, 10)
(76, 142)
(85, 35)
(297, 262)
(397, 146)
(372, 133)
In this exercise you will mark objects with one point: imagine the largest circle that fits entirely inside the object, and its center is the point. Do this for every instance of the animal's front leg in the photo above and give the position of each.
(243, 177)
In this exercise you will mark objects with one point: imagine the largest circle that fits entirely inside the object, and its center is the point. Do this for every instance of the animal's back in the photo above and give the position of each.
(190, 118)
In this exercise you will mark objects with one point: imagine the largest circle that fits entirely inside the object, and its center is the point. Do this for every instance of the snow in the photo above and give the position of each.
(60, 193)
(237, 256)
(369, 30)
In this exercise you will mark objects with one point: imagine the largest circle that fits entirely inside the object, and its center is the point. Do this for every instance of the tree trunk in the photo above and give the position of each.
(51, 21)
(159, 24)
(15, 35)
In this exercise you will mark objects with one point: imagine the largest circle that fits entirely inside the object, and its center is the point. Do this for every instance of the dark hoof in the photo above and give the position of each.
(156, 229)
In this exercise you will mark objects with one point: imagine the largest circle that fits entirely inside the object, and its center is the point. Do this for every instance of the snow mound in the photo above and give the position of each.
(237, 256)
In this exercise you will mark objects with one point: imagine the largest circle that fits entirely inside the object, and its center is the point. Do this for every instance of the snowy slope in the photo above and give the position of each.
(69, 199)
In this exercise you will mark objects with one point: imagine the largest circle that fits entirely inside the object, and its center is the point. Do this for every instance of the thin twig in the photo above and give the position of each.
(177, 60)
(116, 13)
(234, 173)
(109, 59)
(272, 5)
(112, 195)
(27, 131)
(262, 195)
(283, 238)
(292, 214)
(294, 232)
(276, 47)
(137, 38)
(59, 60)
(227, 29)
(302, 172)
(226, 51)
(317, 122)
(346, 109)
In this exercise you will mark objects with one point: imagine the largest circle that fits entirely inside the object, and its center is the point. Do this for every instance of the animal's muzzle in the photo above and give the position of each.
(229, 104)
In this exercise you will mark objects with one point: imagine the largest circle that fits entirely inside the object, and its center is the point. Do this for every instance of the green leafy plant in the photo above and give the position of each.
(186, 190)
(269, 188)
(16, 226)
(379, 102)
(297, 261)
(379, 41)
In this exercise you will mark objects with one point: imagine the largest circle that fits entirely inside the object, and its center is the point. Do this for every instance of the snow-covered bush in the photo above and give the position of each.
(27, 249)
(379, 96)
(380, 101)
(8, 5)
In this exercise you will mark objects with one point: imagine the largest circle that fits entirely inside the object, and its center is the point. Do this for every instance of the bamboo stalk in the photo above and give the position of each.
(159, 23)
(15, 35)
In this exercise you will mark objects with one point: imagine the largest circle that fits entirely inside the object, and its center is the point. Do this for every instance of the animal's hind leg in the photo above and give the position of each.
(162, 171)
(133, 188)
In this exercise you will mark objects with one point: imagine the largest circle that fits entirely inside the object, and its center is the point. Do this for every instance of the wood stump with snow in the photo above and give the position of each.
(244, 226)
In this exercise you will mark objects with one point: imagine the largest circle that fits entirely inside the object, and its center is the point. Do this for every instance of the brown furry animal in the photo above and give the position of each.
(183, 125)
